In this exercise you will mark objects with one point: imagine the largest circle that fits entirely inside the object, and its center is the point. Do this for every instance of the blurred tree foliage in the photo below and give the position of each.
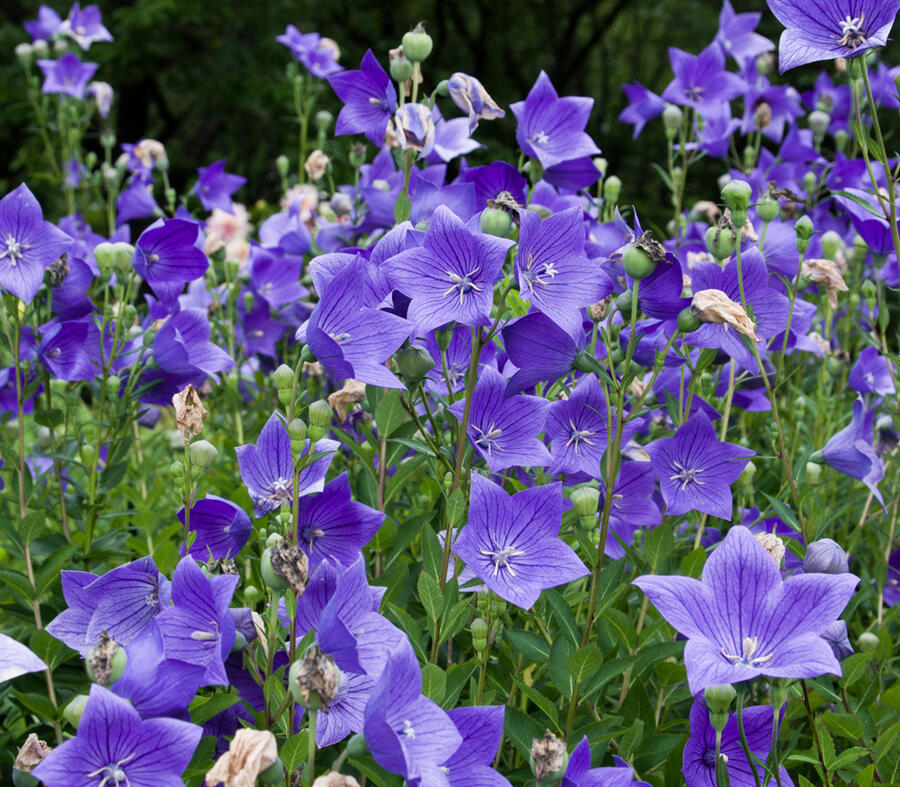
(207, 78)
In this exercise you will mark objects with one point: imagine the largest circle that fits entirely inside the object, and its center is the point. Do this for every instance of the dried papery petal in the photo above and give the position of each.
(773, 545)
(548, 755)
(189, 411)
(335, 779)
(291, 564)
(33, 751)
(826, 273)
(249, 754)
(342, 401)
(316, 164)
(315, 678)
(714, 306)
(706, 209)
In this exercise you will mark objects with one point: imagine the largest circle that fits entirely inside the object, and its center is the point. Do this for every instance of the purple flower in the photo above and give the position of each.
(85, 26)
(471, 97)
(275, 277)
(632, 506)
(452, 276)
(504, 431)
(702, 82)
(166, 256)
(695, 470)
(222, 528)
(16, 659)
(851, 452)
(512, 543)
(45, 26)
(737, 35)
(183, 350)
(267, 468)
(407, 733)
(742, 620)
(481, 728)
(871, 373)
(451, 139)
(643, 105)
(836, 636)
(115, 745)
(540, 349)
(28, 244)
(577, 429)
(828, 30)
(215, 186)
(415, 128)
(333, 525)
(198, 628)
(493, 179)
(63, 350)
(550, 128)
(580, 774)
(66, 75)
(318, 54)
(699, 763)
(369, 100)
(554, 273)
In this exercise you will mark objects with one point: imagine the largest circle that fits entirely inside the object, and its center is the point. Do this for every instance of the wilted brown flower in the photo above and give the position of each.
(291, 564)
(773, 545)
(342, 401)
(706, 209)
(316, 164)
(826, 273)
(31, 754)
(335, 779)
(548, 755)
(715, 306)
(249, 754)
(316, 674)
(189, 411)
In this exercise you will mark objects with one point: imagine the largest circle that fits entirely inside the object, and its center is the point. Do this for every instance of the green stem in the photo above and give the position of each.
(815, 732)
(311, 746)
(744, 745)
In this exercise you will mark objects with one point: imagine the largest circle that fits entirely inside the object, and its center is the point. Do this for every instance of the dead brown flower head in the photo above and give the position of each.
(714, 306)
(249, 754)
(342, 401)
(827, 274)
(189, 411)
(31, 754)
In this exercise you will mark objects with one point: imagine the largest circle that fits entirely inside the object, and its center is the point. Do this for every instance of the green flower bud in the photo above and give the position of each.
(479, 628)
(24, 53)
(124, 255)
(417, 44)
(746, 476)
(413, 363)
(401, 69)
(443, 88)
(867, 642)
(357, 155)
(320, 414)
(768, 209)
(719, 698)
(314, 679)
(813, 472)
(283, 377)
(869, 291)
(105, 255)
(274, 774)
(324, 119)
(357, 746)
(176, 470)
(297, 430)
(687, 321)
(252, 595)
(637, 262)
(750, 157)
(203, 453)
(809, 182)
(612, 188)
(623, 302)
(40, 48)
(841, 138)
(819, 122)
(804, 227)
(240, 642)
(73, 711)
(721, 242)
(763, 64)
(22, 778)
(495, 221)
(736, 195)
(272, 580)
(113, 384)
(672, 118)
(585, 500)
(834, 366)
(283, 165)
(601, 165)
(831, 244)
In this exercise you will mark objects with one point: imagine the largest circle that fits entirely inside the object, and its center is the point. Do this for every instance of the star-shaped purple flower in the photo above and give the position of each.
(28, 244)
(550, 128)
(85, 26)
(114, 746)
(643, 105)
(369, 100)
(702, 82)
(512, 543)
(504, 431)
(737, 34)
(67, 75)
(452, 276)
(741, 620)
(222, 528)
(215, 186)
(318, 54)
(695, 470)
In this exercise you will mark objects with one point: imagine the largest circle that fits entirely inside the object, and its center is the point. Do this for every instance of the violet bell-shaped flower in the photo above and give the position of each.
(369, 99)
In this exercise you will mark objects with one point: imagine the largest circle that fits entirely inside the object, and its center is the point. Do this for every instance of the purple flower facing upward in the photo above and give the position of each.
(215, 186)
(452, 276)
(16, 659)
(67, 75)
(267, 468)
(504, 431)
(702, 82)
(167, 257)
(699, 762)
(85, 26)
(742, 620)
(512, 542)
(550, 128)
(577, 429)
(695, 470)
(45, 26)
(829, 29)
(115, 747)
(28, 244)
(318, 54)
(369, 100)
(222, 528)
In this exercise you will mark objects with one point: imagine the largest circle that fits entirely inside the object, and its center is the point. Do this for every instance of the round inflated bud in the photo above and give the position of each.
(357, 746)
(495, 221)
(297, 430)
(736, 195)
(252, 594)
(273, 580)
(283, 377)
(746, 476)
(819, 122)
(341, 204)
(687, 321)
(413, 363)
(600, 164)
(638, 264)
(23, 779)
(240, 642)
(274, 774)
(768, 209)
(813, 472)
(720, 241)
(357, 155)
(105, 255)
(612, 188)
(825, 557)
(417, 44)
(804, 227)
(203, 453)
(176, 470)
(401, 69)
(479, 628)
(869, 290)
(320, 414)
(672, 118)
(867, 642)
(585, 500)
(24, 53)
(834, 366)
(809, 182)
(41, 48)
(719, 698)
(841, 138)
(750, 157)
(60, 46)
(283, 165)
(324, 119)
(73, 712)
(105, 662)
(113, 385)
(623, 302)
(831, 244)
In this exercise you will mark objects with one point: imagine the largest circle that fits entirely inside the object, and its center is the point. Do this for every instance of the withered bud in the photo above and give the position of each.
(148, 151)
(316, 164)
(506, 201)
(773, 545)
(716, 307)
(342, 401)
(57, 272)
(335, 779)
(706, 209)
(291, 564)
(314, 679)
(249, 754)
(653, 248)
(820, 342)
(598, 310)
(313, 368)
(548, 756)
(103, 660)
(31, 754)
(826, 273)
(637, 387)
(222, 565)
(762, 117)
(189, 411)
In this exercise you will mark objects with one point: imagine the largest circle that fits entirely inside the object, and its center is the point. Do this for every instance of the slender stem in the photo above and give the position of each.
(311, 746)
(776, 765)
(744, 745)
(718, 754)
(815, 732)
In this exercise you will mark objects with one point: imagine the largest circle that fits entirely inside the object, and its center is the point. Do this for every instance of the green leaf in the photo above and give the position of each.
(402, 207)
(692, 563)
(390, 414)
(608, 585)
(49, 418)
(454, 621)
(584, 662)
(664, 175)
(457, 677)
(529, 644)
(623, 626)
(562, 614)
(541, 701)
(434, 682)
(403, 476)
(658, 544)
(293, 751)
(49, 649)
(521, 729)
(609, 671)
(432, 554)
(559, 672)
(402, 619)
(204, 708)
(846, 725)
(456, 507)
(17, 581)
(430, 595)
(37, 703)
(784, 513)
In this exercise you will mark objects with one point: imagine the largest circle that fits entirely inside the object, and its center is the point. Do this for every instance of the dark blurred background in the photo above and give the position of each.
(207, 78)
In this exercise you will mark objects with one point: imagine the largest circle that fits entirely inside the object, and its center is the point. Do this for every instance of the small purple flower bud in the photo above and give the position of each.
(836, 636)
(825, 557)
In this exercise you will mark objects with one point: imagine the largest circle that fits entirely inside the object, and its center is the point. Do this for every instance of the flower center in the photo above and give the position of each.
(462, 284)
(309, 533)
(747, 658)
(694, 93)
(487, 437)
(532, 277)
(13, 250)
(578, 436)
(852, 34)
(340, 338)
(280, 489)
(501, 558)
(113, 775)
(540, 138)
(686, 476)
(407, 731)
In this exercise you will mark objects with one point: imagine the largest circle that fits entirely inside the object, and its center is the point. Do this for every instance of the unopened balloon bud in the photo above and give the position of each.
(768, 209)
(401, 69)
(672, 118)
(687, 321)
(413, 363)
(283, 377)
(105, 662)
(867, 642)
(495, 221)
(203, 453)
(585, 500)
(612, 188)
(417, 44)
(720, 241)
(73, 712)
(638, 264)
(719, 698)
(825, 556)
(283, 165)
